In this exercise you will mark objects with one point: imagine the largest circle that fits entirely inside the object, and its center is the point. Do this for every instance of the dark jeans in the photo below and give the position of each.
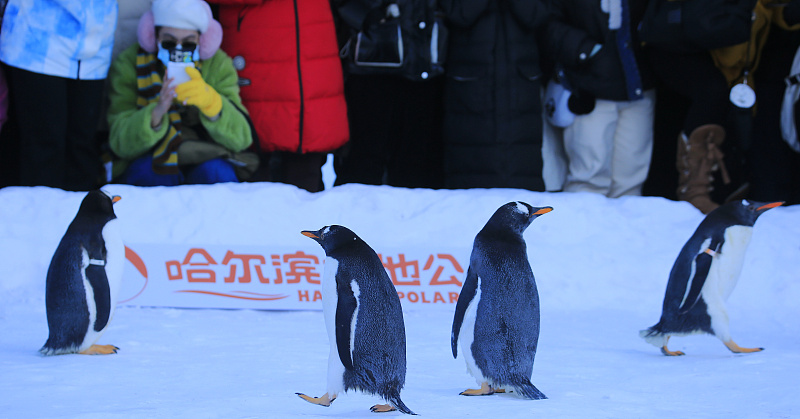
(694, 76)
(57, 120)
(395, 132)
(140, 173)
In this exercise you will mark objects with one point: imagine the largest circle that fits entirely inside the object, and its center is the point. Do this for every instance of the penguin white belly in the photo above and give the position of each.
(723, 276)
(330, 299)
(115, 258)
(91, 335)
(357, 295)
(115, 261)
(467, 335)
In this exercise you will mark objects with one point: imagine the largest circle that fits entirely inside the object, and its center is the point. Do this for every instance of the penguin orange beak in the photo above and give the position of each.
(116, 198)
(544, 210)
(309, 234)
(769, 206)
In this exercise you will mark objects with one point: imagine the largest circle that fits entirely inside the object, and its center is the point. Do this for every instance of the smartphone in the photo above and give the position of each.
(178, 72)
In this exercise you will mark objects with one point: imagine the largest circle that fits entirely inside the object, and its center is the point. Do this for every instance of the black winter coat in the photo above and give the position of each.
(493, 118)
(576, 26)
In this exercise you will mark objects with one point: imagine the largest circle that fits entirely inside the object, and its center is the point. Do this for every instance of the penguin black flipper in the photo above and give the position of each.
(96, 275)
(468, 292)
(702, 265)
(345, 308)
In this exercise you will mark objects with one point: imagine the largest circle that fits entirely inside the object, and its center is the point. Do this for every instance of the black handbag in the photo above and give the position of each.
(697, 25)
(390, 43)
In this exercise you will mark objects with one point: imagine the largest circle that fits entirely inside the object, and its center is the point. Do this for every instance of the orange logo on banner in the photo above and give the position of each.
(406, 272)
(138, 263)
(426, 278)
(197, 257)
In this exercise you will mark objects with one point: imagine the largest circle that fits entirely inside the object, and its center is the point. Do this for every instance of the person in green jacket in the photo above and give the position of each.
(175, 114)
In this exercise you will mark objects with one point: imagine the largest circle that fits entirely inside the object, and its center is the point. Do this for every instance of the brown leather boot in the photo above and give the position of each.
(698, 157)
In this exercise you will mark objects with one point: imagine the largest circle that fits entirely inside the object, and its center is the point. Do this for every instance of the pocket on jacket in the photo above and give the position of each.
(469, 90)
(526, 94)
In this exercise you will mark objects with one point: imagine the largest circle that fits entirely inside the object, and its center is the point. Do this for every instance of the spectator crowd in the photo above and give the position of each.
(613, 97)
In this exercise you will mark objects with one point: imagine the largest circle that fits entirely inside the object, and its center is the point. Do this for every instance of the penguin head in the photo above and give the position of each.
(98, 203)
(516, 216)
(746, 212)
(332, 237)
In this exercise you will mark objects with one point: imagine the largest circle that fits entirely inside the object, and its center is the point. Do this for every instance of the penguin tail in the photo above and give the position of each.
(654, 336)
(394, 399)
(528, 390)
(47, 350)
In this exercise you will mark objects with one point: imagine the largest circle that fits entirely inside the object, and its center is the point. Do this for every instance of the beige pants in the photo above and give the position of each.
(609, 149)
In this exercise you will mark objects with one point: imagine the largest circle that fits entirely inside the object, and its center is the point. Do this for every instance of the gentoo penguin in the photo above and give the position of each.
(703, 276)
(497, 313)
(84, 279)
(364, 321)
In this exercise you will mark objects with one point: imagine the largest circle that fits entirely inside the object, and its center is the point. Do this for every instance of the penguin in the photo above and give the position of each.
(364, 321)
(84, 278)
(704, 275)
(496, 319)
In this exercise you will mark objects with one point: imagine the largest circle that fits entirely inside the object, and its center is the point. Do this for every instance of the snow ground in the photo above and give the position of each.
(601, 267)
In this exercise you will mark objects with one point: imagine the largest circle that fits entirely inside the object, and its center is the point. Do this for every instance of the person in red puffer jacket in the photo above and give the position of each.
(291, 83)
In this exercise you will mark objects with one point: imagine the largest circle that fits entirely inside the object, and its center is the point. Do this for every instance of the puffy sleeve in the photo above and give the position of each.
(130, 133)
(231, 129)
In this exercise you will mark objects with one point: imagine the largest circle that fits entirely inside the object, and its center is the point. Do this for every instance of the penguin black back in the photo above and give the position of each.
(499, 304)
(369, 328)
(712, 230)
(65, 296)
(715, 250)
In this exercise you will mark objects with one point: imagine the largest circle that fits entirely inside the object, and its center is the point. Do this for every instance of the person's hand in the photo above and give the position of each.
(198, 93)
(165, 99)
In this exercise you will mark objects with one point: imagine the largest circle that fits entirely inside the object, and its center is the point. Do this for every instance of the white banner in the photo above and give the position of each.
(221, 276)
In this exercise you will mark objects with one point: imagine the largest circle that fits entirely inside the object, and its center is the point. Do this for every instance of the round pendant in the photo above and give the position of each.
(743, 96)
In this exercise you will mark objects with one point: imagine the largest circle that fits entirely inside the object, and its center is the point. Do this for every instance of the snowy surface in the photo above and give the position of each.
(601, 266)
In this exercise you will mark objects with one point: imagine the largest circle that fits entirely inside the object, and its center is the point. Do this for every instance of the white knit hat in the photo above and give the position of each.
(181, 14)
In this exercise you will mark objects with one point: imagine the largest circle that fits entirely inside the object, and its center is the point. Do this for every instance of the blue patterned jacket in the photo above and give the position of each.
(64, 38)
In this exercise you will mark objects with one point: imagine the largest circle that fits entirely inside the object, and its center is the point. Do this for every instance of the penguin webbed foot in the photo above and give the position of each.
(100, 350)
(667, 352)
(382, 408)
(324, 400)
(485, 390)
(738, 349)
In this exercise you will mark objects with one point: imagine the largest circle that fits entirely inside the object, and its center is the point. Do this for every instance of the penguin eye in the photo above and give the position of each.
(745, 202)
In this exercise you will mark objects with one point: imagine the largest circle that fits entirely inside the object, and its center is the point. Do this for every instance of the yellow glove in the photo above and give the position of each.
(198, 93)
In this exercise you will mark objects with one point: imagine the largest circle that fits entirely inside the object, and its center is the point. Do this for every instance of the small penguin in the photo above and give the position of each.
(704, 275)
(364, 321)
(497, 313)
(84, 279)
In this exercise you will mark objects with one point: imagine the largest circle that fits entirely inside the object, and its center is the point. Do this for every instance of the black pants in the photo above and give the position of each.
(395, 132)
(301, 170)
(57, 120)
(694, 76)
(775, 167)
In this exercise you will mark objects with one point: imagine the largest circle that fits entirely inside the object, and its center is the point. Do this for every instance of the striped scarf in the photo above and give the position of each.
(148, 82)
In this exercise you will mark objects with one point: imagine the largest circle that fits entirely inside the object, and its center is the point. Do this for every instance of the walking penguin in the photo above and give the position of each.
(84, 279)
(364, 321)
(704, 275)
(497, 313)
